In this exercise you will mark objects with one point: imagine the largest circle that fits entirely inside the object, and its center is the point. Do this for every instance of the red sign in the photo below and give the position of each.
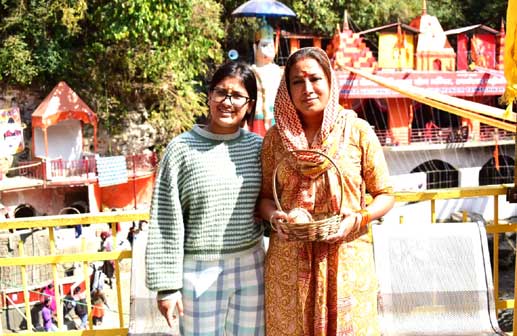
(459, 84)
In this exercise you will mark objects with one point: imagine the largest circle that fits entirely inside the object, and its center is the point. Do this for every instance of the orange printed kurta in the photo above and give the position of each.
(318, 289)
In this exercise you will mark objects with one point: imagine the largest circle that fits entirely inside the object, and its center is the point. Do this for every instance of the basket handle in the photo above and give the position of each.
(340, 176)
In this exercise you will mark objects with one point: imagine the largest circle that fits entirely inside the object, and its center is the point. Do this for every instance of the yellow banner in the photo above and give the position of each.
(510, 55)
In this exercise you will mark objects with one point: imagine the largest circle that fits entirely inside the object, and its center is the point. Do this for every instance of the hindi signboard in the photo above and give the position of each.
(458, 84)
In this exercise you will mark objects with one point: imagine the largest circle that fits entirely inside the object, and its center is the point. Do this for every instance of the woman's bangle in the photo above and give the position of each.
(271, 221)
(365, 218)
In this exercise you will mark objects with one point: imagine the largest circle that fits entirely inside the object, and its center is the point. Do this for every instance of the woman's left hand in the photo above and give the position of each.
(348, 224)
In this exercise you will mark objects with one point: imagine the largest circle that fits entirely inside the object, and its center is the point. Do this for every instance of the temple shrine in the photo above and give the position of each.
(432, 98)
(65, 175)
(419, 54)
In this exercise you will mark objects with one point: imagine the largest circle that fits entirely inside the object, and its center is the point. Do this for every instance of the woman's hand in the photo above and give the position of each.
(276, 219)
(168, 306)
(348, 224)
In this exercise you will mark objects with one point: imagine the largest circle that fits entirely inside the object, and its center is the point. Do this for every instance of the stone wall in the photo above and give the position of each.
(35, 243)
(137, 135)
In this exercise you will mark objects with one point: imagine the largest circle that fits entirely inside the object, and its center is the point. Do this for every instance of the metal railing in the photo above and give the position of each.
(84, 257)
(69, 168)
(83, 168)
(51, 222)
(447, 135)
(495, 228)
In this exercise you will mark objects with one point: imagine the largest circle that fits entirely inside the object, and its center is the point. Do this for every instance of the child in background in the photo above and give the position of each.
(47, 316)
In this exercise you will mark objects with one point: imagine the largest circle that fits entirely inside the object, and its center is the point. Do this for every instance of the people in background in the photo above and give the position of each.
(47, 316)
(80, 307)
(97, 310)
(68, 304)
(134, 230)
(50, 293)
(97, 278)
(78, 230)
(108, 266)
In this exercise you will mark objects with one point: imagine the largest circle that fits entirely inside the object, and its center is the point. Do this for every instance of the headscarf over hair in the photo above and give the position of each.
(327, 139)
(291, 130)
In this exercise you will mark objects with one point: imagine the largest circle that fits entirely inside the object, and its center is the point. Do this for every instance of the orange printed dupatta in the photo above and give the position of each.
(326, 141)
(323, 306)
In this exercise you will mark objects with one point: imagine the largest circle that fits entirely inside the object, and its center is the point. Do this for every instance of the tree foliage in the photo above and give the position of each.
(324, 15)
(154, 55)
(118, 54)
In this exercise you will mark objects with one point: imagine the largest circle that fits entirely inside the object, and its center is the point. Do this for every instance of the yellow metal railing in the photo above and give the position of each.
(51, 222)
(495, 228)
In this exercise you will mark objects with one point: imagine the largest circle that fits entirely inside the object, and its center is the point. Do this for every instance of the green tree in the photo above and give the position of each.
(153, 54)
(119, 55)
(489, 13)
(35, 37)
(324, 15)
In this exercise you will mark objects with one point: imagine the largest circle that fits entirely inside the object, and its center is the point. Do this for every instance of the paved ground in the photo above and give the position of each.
(147, 318)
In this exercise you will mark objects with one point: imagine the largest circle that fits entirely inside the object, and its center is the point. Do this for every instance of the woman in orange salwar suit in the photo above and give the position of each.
(327, 287)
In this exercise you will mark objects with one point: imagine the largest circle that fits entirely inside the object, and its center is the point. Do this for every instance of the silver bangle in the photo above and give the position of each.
(273, 226)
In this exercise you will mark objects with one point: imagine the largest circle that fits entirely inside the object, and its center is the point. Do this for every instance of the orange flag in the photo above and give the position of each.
(510, 56)
(496, 154)
(400, 37)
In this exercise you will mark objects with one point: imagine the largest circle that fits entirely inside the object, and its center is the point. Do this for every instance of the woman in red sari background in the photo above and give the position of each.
(327, 287)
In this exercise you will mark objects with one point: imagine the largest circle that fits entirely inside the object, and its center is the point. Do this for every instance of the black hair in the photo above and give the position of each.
(316, 54)
(243, 71)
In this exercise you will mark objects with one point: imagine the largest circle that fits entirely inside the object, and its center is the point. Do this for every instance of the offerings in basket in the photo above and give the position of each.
(299, 215)
(301, 224)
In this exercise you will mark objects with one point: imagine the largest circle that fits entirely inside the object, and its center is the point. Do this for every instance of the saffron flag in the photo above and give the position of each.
(400, 38)
(496, 154)
(510, 56)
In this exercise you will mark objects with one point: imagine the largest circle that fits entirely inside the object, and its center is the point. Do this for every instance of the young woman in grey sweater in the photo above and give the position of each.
(205, 254)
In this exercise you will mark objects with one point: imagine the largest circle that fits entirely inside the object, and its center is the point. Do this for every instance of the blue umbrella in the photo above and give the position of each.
(263, 8)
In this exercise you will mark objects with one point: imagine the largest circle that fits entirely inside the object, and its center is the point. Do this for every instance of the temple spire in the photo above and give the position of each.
(345, 21)
(424, 7)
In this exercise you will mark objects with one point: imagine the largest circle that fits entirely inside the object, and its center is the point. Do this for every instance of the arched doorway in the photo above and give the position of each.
(24, 210)
(437, 65)
(76, 208)
(489, 174)
(439, 174)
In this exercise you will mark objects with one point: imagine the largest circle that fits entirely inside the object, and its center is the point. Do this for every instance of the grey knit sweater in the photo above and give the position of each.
(203, 202)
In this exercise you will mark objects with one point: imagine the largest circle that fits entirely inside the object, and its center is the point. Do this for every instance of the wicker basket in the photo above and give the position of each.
(309, 231)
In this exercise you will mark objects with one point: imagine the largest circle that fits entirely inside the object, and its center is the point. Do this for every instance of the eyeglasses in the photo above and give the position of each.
(219, 95)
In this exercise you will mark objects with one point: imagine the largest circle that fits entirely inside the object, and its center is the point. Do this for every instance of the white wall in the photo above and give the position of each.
(65, 141)
(468, 161)
(421, 212)
(403, 159)
(409, 182)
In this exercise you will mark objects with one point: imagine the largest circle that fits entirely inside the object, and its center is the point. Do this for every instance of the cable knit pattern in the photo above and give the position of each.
(203, 202)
